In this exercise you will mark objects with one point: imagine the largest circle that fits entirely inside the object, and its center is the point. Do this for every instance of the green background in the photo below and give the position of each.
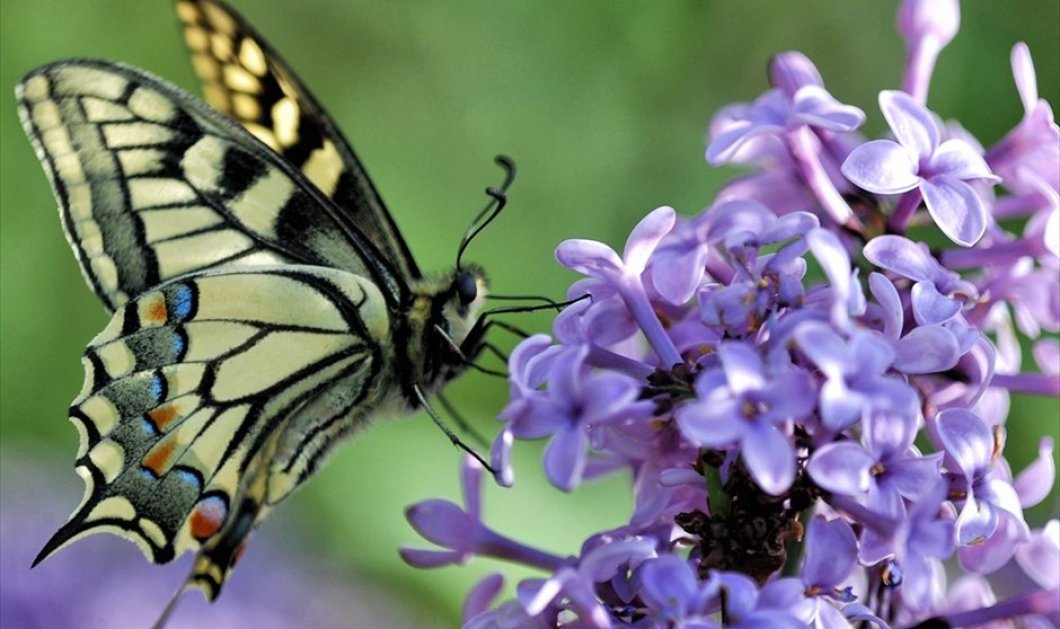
(604, 107)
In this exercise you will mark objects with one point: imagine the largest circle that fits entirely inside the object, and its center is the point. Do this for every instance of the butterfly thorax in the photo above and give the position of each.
(434, 341)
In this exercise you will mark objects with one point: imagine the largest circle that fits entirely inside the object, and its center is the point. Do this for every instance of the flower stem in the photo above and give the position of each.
(805, 149)
(1046, 384)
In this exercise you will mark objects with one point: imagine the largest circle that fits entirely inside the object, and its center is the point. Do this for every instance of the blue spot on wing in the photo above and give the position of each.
(148, 474)
(183, 300)
(179, 345)
(189, 477)
(149, 426)
(157, 387)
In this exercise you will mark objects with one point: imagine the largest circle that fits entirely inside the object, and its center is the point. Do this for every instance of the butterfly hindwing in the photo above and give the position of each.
(206, 398)
(153, 184)
(244, 78)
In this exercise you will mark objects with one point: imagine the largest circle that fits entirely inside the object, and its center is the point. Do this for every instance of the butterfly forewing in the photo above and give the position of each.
(207, 399)
(245, 79)
(153, 184)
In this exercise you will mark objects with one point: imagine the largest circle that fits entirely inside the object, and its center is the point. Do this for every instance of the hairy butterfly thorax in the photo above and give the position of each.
(440, 321)
(264, 303)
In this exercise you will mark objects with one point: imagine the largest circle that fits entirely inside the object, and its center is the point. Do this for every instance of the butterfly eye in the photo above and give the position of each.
(466, 288)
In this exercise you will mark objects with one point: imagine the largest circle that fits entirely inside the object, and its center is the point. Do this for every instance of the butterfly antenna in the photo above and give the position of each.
(498, 199)
(546, 306)
(540, 298)
(449, 433)
(170, 606)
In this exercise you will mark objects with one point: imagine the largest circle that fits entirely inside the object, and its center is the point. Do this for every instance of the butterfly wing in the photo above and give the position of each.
(245, 79)
(153, 184)
(211, 397)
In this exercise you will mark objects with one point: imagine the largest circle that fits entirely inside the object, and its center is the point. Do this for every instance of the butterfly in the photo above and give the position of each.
(264, 304)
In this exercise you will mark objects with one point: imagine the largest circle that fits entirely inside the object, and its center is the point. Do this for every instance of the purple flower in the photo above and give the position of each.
(920, 160)
(1039, 556)
(831, 555)
(624, 274)
(737, 403)
(774, 113)
(462, 533)
(799, 113)
(775, 390)
(580, 401)
(991, 520)
(854, 384)
(674, 595)
(1033, 146)
(922, 538)
(927, 25)
(576, 584)
(886, 468)
(745, 610)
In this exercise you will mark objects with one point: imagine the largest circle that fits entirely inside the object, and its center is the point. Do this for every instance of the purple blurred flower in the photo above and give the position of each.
(462, 532)
(104, 582)
(927, 25)
(939, 172)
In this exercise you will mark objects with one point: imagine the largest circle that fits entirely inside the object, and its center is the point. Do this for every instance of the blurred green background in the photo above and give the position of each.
(603, 105)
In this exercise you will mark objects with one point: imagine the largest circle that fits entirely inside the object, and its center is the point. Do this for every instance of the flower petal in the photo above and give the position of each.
(902, 256)
(890, 303)
(769, 457)
(931, 306)
(959, 159)
(482, 595)
(831, 553)
(825, 348)
(589, 257)
(1036, 480)
(814, 106)
(966, 439)
(1023, 71)
(791, 70)
(883, 167)
(565, 458)
(912, 124)
(423, 558)
(927, 349)
(711, 424)
(645, 238)
(743, 366)
(842, 467)
(443, 523)
(957, 209)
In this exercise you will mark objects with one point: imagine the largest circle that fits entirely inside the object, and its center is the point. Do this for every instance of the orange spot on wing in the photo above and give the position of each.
(207, 519)
(163, 416)
(157, 460)
(156, 310)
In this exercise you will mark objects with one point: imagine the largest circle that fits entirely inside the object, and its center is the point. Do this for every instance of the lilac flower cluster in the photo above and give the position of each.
(810, 402)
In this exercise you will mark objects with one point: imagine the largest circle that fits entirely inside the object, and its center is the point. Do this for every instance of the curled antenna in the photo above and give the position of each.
(498, 199)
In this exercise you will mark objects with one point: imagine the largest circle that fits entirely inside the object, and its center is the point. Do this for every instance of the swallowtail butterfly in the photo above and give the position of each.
(264, 303)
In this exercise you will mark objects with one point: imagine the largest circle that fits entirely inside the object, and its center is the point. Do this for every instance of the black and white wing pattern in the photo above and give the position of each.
(153, 184)
(244, 78)
(208, 399)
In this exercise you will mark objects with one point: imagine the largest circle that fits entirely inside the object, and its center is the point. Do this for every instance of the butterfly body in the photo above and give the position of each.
(264, 304)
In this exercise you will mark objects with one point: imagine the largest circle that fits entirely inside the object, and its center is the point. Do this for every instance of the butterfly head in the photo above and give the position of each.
(463, 302)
